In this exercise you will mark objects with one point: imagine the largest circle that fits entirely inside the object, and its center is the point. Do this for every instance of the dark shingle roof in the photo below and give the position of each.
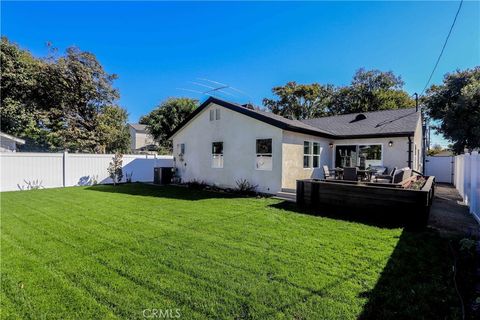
(387, 122)
(401, 122)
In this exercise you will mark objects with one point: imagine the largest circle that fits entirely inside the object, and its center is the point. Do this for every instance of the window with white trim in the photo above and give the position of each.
(311, 154)
(212, 114)
(263, 159)
(307, 154)
(217, 114)
(370, 155)
(217, 154)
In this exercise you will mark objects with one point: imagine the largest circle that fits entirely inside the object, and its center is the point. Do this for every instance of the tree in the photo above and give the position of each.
(113, 129)
(371, 90)
(79, 89)
(301, 101)
(114, 169)
(162, 120)
(60, 103)
(436, 149)
(19, 80)
(456, 104)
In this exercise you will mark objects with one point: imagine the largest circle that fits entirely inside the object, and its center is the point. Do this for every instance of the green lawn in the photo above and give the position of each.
(111, 252)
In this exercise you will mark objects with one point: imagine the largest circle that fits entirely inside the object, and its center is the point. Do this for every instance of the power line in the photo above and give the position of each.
(443, 48)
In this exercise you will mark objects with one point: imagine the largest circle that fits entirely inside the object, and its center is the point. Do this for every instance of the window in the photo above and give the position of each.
(182, 148)
(217, 155)
(358, 155)
(263, 160)
(214, 114)
(370, 155)
(316, 154)
(311, 154)
(307, 154)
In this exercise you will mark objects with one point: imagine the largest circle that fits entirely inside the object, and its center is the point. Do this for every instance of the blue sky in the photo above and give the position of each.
(157, 47)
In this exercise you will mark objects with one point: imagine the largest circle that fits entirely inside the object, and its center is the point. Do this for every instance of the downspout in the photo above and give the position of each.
(410, 152)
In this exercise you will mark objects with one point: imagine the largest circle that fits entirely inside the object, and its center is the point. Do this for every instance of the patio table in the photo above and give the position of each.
(338, 172)
(367, 173)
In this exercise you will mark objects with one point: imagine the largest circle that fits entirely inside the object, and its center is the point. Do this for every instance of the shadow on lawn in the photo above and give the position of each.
(416, 283)
(158, 191)
(368, 217)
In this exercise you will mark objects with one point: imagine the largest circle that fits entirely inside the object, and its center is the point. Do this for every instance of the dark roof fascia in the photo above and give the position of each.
(249, 113)
(377, 135)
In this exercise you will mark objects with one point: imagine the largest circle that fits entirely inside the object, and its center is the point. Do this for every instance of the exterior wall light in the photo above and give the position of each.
(330, 145)
(390, 143)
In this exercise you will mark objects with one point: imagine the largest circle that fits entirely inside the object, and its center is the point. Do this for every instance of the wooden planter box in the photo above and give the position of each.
(413, 206)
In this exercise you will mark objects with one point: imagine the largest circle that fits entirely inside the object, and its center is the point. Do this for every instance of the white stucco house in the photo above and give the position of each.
(140, 139)
(222, 142)
(9, 143)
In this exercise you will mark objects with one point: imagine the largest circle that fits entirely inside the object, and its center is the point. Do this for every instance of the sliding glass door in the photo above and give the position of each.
(346, 156)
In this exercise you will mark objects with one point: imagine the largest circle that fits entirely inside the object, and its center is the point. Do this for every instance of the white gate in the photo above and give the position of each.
(441, 168)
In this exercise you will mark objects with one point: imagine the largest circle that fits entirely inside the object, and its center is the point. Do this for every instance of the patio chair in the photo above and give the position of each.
(401, 175)
(380, 170)
(327, 173)
(386, 178)
(350, 174)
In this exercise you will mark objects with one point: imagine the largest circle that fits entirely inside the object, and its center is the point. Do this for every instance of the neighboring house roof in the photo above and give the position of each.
(4, 135)
(401, 122)
(138, 127)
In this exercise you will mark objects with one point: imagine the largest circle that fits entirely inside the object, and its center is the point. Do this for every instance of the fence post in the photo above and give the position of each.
(466, 179)
(455, 173)
(473, 181)
(64, 173)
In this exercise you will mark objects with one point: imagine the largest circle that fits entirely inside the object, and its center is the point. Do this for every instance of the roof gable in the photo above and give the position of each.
(141, 128)
(266, 117)
(400, 122)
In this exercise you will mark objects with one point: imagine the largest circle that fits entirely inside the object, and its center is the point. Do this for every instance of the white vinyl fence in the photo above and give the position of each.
(467, 180)
(71, 169)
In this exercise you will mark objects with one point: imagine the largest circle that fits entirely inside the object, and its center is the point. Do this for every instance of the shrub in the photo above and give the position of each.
(245, 187)
(31, 185)
(417, 184)
(115, 168)
(197, 184)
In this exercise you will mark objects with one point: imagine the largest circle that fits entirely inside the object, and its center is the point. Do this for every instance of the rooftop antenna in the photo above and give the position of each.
(196, 91)
(213, 88)
(230, 87)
